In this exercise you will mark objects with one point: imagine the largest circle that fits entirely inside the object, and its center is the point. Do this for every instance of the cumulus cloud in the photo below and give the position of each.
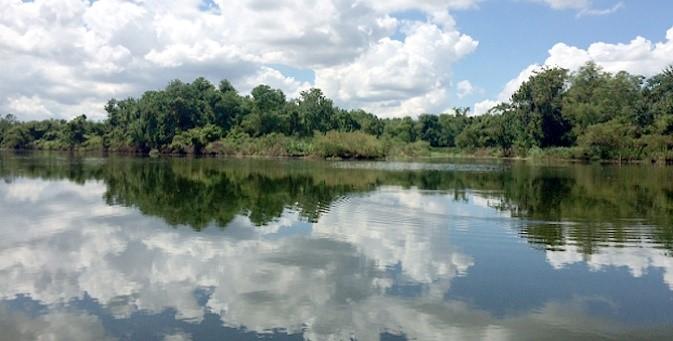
(400, 77)
(639, 56)
(67, 57)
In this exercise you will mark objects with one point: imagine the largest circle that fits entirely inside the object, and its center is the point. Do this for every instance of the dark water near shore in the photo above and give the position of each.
(212, 249)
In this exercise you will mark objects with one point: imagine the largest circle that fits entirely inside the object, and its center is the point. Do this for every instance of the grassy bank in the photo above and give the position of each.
(362, 146)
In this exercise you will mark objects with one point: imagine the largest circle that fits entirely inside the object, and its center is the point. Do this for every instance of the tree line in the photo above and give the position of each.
(587, 114)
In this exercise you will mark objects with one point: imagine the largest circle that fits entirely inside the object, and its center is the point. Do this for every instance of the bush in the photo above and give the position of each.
(562, 153)
(535, 152)
(655, 148)
(93, 143)
(607, 141)
(194, 140)
(397, 149)
(49, 145)
(182, 144)
(352, 145)
(272, 145)
(665, 124)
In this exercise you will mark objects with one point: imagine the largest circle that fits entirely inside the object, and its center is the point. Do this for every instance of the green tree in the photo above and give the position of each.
(452, 126)
(17, 137)
(403, 129)
(658, 95)
(429, 129)
(369, 123)
(316, 112)
(595, 96)
(538, 106)
(267, 100)
(75, 131)
(6, 123)
(505, 128)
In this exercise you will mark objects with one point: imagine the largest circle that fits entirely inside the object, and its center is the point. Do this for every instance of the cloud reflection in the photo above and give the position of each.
(371, 265)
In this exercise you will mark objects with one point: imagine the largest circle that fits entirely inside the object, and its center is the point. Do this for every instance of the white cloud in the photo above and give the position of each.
(67, 57)
(583, 7)
(274, 78)
(601, 11)
(27, 107)
(484, 106)
(396, 78)
(568, 4)
(464, 88)
(639, 56)
(427, 5)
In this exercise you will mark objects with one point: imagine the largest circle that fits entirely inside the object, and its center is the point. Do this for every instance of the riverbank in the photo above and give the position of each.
(347, 146)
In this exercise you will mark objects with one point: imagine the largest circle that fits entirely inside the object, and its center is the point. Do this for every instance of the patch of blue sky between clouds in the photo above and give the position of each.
(302, 75)
(209, 6)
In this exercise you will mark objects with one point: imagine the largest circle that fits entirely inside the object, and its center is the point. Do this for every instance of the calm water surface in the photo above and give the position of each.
(140, 249)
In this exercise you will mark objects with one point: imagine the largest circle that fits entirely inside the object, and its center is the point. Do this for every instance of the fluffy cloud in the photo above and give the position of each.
(639, 56)
(400, 77)
(67, 57)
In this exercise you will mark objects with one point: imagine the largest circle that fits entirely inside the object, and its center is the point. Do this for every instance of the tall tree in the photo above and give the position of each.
(316, 111)
(538, 105)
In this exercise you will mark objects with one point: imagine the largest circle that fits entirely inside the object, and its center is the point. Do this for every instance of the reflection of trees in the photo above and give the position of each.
(199, 196)
(581, 205)
(592, 206)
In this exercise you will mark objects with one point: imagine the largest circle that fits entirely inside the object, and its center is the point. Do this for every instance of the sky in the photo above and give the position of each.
(63, 58)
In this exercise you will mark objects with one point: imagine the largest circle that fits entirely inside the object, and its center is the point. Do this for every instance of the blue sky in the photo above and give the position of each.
(515, 34)
(393, 58)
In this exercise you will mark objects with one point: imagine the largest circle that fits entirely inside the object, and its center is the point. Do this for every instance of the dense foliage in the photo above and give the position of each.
(588, 114)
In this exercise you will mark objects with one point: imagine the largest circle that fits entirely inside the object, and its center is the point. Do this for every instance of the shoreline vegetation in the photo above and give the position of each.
(586, 115)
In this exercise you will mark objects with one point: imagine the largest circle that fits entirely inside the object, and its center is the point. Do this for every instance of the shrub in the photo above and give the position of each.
(93, 143)
(397, 149)
(194, 140)
(351, 145)
(655, 148)
(608, 141)
(273, 145)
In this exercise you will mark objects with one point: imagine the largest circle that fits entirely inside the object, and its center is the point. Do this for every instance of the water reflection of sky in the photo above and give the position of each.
(394, 261)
